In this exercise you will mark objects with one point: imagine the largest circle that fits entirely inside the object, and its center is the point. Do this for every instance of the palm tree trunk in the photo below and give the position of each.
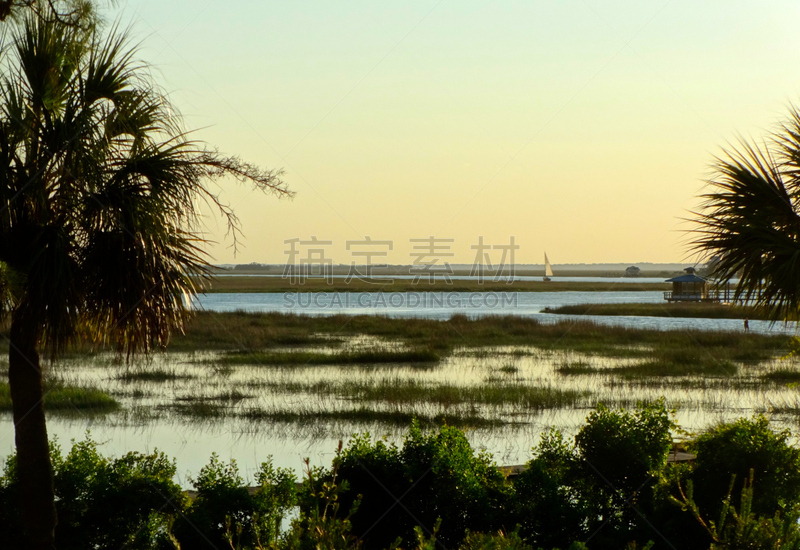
(33, 454)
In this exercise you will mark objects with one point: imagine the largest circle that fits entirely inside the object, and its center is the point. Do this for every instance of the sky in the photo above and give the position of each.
(584, 129)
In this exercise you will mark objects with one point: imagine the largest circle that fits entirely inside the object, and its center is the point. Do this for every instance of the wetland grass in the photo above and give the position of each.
(447, 395)
(509, 369)
(233, 396)
(405, 392)
(199, 409)
(154, 375)
(674, 309)
(650, 369)
(364, 415)
(60, 398)
(499, 358)
(280, 284)
(577, 368)
(303, 358)
(257, 331)
(782, 376)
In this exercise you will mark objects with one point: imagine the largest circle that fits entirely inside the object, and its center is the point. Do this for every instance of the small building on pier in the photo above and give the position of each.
(688, 288)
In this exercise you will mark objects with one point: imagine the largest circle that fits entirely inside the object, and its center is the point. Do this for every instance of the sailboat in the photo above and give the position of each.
(548, 270)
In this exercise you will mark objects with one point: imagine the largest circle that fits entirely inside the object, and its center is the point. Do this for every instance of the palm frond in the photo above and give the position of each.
(750, 220)
(100, 189)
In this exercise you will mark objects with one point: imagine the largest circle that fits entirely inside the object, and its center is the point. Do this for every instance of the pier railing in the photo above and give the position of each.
(724, 296)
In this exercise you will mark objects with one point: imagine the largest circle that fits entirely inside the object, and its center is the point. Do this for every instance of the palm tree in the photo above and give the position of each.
(99, 237)
(751, 220)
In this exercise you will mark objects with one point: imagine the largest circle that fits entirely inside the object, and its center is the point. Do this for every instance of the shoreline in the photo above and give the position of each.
(683, 310)
(254, 284)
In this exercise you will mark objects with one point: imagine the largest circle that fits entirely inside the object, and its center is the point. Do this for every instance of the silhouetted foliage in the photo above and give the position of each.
(750, 221)
(102, 503)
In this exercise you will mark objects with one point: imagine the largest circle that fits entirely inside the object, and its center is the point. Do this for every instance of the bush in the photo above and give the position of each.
(550, 503)
(733, 450)
(319, 525)
(488, 541)
(434, 476)
(742, 528)
(224, 514)
(602, 483)
(102, 503)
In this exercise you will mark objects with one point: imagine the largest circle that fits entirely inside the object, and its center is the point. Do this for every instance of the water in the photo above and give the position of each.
(443, 305)
(143, 425)
(149, 418)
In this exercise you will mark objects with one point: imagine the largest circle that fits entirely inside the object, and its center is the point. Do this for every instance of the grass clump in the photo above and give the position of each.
(66, 398)
(782, 376)
(659, 368)
(364, 415)
(199, 409)
(241, 330)
(509, 369)
(156, 375)
(316, 358)
(576, 368)
(449, 395)
(404, 392)
(687, 309)
(233, 396)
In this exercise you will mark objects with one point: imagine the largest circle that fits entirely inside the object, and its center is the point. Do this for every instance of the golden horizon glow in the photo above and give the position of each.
(584, 129)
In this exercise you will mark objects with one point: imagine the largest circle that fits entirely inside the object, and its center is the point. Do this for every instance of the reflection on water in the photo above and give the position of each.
(152, 395)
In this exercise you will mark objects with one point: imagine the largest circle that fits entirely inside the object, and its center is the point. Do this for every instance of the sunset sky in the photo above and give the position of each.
(582, 128)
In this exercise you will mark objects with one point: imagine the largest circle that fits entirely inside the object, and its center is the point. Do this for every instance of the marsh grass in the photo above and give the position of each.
(404, 392)
(782, 376)
(197, 409)
(60, 398)
(657, 368)
(576, 368)
(509, 369)
(155, 375)
(492, 371)
(256, 331)
(233, 396)
(308, 358)
(279, 284)
(675, 309)
(365, 415)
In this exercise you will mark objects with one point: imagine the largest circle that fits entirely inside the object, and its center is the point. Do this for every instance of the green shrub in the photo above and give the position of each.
(742, 527)
(492, 541)
(735, 449)
(434, 475)
(224, 514)
(102, 503)
(599, 485)
(320, 525)
(550, 503)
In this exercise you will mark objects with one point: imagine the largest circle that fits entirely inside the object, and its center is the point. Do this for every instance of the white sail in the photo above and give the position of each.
(548, 271)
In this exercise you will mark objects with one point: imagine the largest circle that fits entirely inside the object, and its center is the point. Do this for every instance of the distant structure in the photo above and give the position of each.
(632, 271)
(693, 288)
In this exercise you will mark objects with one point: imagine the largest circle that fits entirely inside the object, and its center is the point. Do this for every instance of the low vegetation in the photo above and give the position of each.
(238, 331)
(304, 358)
(491, 371)
(62, 399)
(612, 486)
(665, 309)
(280, 284)
(403, 391)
